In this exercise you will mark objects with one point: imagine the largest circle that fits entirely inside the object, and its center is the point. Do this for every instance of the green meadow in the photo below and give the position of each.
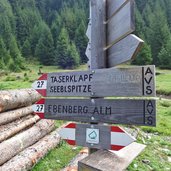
(157, 154)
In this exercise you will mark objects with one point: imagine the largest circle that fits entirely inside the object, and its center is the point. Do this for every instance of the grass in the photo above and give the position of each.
(163, 118)
(57, 158)
(164, 82)
(26, 78)
(155, 156)
(158, 140)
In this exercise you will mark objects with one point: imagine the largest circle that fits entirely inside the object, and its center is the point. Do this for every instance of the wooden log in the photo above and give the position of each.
(13, 99)
(30, 156)
(16, 144)
(10, 116)
(10, 125)
(17, 128)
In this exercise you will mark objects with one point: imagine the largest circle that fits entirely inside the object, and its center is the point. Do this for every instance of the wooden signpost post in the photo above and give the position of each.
(110, 44)
(135, 112)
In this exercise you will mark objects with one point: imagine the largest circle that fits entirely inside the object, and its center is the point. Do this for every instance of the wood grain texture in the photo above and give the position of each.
(124, 82)
(124, 51)
(17, 128)
(113, 6)
(121, 24)
(98, 34)
(104, 160)
(13, 99)
(7, 117)
(134, 112)
(18, 143)
(26, 159)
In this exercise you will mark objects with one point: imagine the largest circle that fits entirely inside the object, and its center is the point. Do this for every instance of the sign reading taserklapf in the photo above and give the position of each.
(137, 81)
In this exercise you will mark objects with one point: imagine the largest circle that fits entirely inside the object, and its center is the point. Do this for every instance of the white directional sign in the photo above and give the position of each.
(96, 136)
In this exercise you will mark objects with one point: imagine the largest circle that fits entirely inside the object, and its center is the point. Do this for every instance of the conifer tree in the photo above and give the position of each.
(26, 49)
(4, 55)
(81, 41)
(45, 47)
(144, 57)
(16, 55)
(73, 57)
(165, 56)
(62, 49)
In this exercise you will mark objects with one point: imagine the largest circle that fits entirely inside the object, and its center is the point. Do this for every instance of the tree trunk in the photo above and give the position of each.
(30, 156)
(18, 127)
(10, 116)
(13, 99)
(16, 144)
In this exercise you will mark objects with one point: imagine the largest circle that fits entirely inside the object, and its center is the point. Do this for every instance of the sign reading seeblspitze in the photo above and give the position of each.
(137, 81)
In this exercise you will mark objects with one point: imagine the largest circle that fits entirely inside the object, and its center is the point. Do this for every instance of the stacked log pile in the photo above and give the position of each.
(24, 138)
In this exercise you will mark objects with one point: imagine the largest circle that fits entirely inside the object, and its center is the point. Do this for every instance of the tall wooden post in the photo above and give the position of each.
(98, 34)
(97, 40)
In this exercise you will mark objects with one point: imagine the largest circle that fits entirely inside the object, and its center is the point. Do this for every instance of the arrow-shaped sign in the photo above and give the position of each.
(137, 81)
(122, 23)
(124, 51)
(96, 136)
(88, 33)
(114, 111)
(88, 51)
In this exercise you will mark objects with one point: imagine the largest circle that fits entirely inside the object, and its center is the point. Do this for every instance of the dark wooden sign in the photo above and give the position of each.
(135, 112)
(137, 81)
(96, 136)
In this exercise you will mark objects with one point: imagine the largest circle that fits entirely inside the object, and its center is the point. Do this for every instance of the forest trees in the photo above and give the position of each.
(154, 27)
(53, 32)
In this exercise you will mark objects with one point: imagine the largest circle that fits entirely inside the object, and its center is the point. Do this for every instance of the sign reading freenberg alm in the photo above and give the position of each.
(137, 81)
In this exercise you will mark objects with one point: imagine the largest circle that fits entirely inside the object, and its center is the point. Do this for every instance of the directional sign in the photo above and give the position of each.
(137, 81)
(134, 112)
(100, 137)
(114, 6)
(121, 23)
(88, 51)
(124, 51)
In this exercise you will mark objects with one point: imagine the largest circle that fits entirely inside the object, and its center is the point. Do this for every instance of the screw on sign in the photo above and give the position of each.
(96, 136)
